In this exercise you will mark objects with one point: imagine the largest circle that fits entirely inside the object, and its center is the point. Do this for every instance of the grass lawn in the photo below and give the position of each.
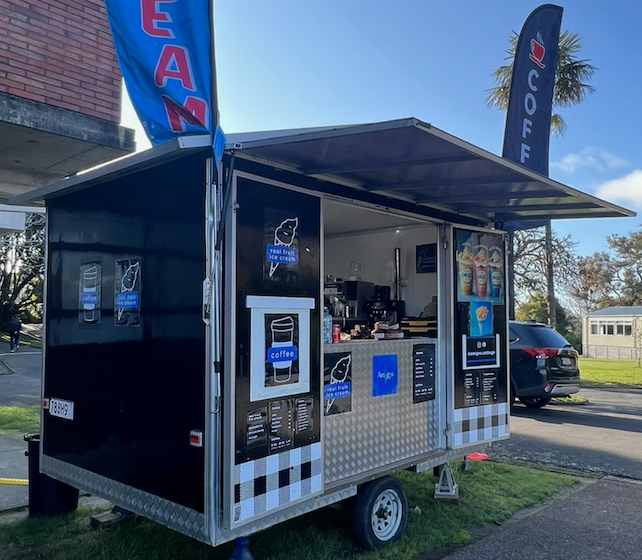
(19, 420)
(24, 340)
(596, 371)
(489, 492)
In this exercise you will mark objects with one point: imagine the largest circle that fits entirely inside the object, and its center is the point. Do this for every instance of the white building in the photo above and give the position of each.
(614, 332)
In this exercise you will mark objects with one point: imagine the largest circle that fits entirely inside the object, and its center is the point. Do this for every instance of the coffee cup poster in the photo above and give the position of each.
(479, 267)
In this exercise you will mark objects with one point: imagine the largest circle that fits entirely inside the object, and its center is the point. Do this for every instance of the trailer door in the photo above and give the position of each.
(481, 388)
(273, 455)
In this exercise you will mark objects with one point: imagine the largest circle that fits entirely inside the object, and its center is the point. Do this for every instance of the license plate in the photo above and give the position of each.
(567, 362)
(61, 409)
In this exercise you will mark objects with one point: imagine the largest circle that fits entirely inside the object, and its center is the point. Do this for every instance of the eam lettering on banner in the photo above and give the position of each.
(164, 49)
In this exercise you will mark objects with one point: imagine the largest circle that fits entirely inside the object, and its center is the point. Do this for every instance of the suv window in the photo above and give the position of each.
(546, 337)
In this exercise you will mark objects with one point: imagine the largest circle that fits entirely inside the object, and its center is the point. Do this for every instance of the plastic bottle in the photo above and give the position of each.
(327, 327)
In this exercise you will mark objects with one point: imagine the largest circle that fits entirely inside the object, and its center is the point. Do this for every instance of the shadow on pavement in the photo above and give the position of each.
(588, 416)
(535, 449)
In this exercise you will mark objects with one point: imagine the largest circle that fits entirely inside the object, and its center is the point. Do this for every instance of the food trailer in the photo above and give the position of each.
(223, 355)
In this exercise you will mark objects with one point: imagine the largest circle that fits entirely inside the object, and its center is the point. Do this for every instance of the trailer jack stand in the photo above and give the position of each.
(241, 550)
(446, 488)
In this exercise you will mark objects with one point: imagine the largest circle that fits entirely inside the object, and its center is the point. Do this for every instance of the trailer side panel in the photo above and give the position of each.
(124, 334)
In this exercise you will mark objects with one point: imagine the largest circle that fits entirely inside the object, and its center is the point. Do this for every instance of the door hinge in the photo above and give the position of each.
(444, 242)
(447, 429)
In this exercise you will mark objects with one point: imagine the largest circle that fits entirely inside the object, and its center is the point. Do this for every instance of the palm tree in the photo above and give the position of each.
(570, 77)
(570, 88)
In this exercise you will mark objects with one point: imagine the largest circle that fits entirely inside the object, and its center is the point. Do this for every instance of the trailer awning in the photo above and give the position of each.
(416, 162)
(406, 160)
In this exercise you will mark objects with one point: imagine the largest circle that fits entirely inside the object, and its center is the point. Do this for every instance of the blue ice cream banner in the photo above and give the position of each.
(165, 55)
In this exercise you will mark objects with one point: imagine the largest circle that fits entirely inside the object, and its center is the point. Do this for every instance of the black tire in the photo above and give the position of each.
(534, 402)
(380, 513)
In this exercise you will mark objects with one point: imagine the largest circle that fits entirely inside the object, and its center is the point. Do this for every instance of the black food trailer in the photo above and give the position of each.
(190, 372)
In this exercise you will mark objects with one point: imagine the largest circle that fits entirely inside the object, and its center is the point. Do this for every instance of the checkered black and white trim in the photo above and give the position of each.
(479, 424)
(275, 481)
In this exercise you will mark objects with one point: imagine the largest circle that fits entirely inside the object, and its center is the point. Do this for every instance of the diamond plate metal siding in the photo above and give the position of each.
(167, 513)
(295, 510)
(384, 430)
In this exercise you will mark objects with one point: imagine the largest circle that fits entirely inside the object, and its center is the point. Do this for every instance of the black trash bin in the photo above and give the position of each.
(47, 496)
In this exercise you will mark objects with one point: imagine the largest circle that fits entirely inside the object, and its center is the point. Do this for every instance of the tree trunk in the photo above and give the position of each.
(549, 276)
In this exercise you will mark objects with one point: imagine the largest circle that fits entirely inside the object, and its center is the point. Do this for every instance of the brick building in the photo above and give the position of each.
(60, 89)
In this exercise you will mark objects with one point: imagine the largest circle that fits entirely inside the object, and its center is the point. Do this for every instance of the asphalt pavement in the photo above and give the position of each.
(604, 436)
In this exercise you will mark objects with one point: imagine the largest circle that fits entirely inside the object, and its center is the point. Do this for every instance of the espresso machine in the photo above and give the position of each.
(381, 308)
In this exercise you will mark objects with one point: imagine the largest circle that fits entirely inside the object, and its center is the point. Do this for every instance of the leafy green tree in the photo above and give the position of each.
(615, 278)
(571, 76)
(536, 309)
(22, 266)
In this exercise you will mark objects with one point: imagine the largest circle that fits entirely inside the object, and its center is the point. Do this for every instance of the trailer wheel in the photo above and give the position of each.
(381, 513)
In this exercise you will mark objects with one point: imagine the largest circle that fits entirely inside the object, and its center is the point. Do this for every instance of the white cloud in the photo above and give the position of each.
(592, 158)
(627, 189)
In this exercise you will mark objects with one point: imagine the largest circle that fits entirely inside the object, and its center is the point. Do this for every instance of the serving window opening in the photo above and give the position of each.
(380, 273)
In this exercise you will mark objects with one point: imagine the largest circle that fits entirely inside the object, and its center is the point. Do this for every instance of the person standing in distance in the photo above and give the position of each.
(14, 332)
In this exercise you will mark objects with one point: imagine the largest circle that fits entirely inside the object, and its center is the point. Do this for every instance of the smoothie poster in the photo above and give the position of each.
(480, 267)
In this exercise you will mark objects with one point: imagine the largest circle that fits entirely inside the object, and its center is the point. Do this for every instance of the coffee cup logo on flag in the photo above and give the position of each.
(165, 53)
(528, 118)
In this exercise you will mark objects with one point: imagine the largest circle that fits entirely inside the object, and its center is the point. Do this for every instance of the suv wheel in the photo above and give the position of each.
(534, 402)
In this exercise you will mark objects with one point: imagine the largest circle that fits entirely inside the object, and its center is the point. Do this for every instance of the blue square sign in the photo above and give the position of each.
(385, 378)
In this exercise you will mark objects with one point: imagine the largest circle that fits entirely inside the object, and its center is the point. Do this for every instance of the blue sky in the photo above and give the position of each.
(300, 63)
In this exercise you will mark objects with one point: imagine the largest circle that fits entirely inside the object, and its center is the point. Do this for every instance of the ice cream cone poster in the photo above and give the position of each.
(337, 383)
(481, 319)
(127, 292)
(281, 245)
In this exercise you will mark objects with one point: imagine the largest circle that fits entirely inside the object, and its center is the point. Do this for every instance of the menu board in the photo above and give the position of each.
(281, 425)
(257, 428)
(304, 420)
(480, 387)
(423, 372)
